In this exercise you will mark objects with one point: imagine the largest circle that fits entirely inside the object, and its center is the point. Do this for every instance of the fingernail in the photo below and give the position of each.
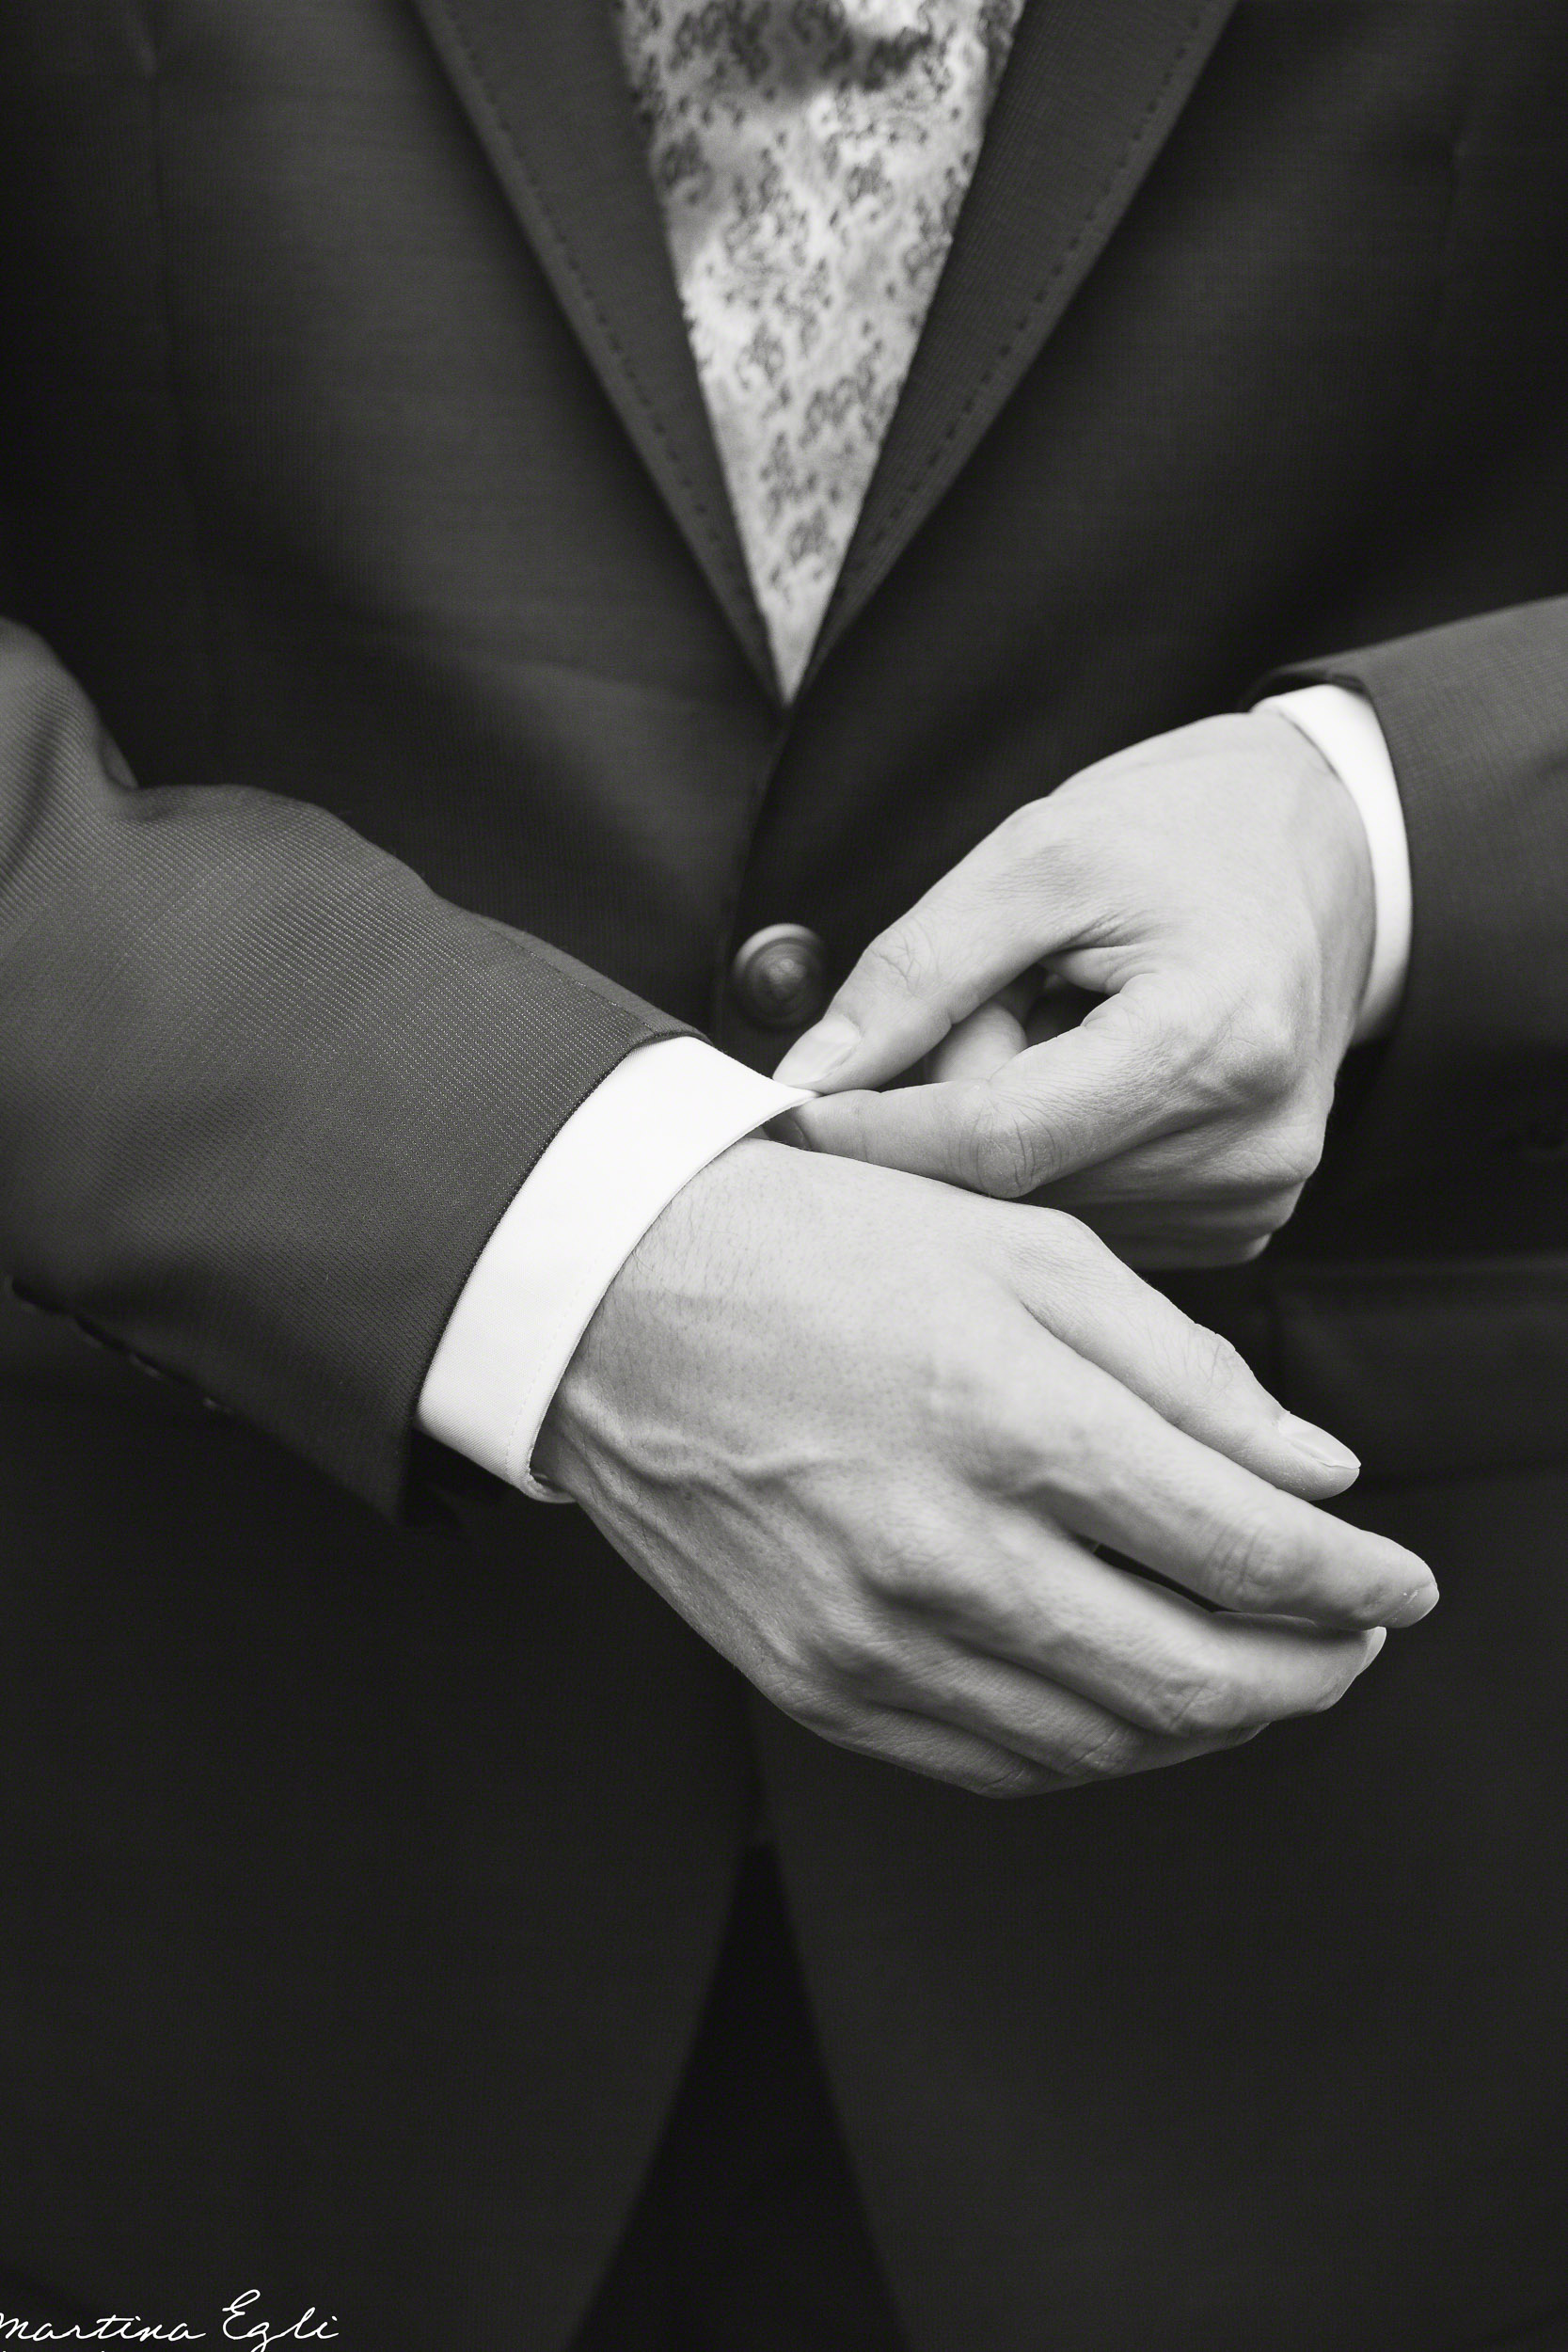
(818, 1053)
(1379, 1635)
(786, 1128)
(1308, 1439)
(1418, 1602)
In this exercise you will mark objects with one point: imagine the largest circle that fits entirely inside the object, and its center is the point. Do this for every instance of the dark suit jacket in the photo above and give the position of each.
(361, 1873)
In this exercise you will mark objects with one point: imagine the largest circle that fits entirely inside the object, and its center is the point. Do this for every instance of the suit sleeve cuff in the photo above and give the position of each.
(1345, 729)
(661, 1115)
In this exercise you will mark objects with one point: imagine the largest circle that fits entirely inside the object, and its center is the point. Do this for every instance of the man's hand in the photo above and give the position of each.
(1212, 889)
(865, 1432)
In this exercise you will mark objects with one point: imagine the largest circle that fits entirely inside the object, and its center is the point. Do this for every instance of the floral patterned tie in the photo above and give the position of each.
(811, 157)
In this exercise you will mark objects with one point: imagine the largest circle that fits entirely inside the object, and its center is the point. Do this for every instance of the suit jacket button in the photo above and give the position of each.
(779, 976)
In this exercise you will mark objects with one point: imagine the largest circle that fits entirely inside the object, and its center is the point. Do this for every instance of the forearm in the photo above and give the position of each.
(1468, 1105)
(262, 1095)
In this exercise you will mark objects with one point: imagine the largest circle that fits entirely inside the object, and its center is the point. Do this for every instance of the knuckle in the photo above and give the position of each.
(1182, 1052)
(1215, 1363)
(1297, 1148)
(1106, 1755)
(1260, 1054)
(900, 960)
(1050, 1246)
(1242, 1563)
(1013, 1777)
(1264, 1165)
(1044, 1441)
(916, 1559)
(1199, 1707)
(984, 1413)
(1273, 1215)
(848, 1658)
(1059, 1238)
(809, 1702)
(1236, 1247)
(1338, 1678)
(1023, 832)
(821, 1678)
(900, 1576)
(1000, 1153)
(1011, 1781)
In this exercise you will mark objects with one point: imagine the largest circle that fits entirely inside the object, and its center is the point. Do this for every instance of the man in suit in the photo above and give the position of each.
(366, 1879)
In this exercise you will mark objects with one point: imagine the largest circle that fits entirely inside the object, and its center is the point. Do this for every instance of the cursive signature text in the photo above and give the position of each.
(240, 2325)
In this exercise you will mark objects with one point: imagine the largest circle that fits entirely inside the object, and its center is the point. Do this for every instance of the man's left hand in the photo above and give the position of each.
(1212, 891)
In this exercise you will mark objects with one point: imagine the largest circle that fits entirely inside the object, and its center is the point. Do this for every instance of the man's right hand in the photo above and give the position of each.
(865, 1432)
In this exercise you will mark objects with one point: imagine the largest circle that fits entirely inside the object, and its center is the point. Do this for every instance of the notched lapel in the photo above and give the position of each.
(544, 84)
(1090, 95)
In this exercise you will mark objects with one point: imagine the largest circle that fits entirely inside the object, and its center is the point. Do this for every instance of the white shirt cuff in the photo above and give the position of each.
(646, 1130)
(1344, 727)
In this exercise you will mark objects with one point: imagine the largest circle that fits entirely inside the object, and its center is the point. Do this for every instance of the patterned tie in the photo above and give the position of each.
(811, 157)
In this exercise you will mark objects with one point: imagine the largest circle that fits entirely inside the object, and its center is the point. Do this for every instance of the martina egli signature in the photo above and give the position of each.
(240, 2325)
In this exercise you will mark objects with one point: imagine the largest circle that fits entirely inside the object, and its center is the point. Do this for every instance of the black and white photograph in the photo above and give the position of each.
(784, 1175)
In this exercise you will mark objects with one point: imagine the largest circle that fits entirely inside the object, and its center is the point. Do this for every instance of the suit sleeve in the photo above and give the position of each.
(262, 1095)
(1458, 1138)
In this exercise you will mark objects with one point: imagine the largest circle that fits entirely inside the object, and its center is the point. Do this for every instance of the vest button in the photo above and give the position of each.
(779, 976)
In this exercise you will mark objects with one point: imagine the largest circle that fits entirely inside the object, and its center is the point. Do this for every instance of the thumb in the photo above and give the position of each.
(960, 944)
(1083, 1098)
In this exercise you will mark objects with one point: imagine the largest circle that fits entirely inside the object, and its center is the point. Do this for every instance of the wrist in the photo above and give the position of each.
(663, 1280)
(1338, 866)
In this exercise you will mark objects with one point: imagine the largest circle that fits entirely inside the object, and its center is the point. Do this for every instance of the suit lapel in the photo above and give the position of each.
(544, 84)
(1090, 92)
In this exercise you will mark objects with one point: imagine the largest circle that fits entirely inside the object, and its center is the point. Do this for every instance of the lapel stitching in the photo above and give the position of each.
(698, 507)
(894, 510)
(1104, 197)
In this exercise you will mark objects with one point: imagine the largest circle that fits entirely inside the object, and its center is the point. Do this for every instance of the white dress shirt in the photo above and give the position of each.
(671, 1108)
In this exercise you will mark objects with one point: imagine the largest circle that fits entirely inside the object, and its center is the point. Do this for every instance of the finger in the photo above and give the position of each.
(1185, 1254)
(1099, 1089)
(1194, 1217)
(1083, 1295)
(941, 1751)
(1110, 1467)
(1178, 1245)
(1186, 1176)
(1237, 1164)
(1028, 1011)
(1059, 1008)
(970, 935)
(1015, 1708)
(1151, 1659)
(979, 1047)
(1184, 1239)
